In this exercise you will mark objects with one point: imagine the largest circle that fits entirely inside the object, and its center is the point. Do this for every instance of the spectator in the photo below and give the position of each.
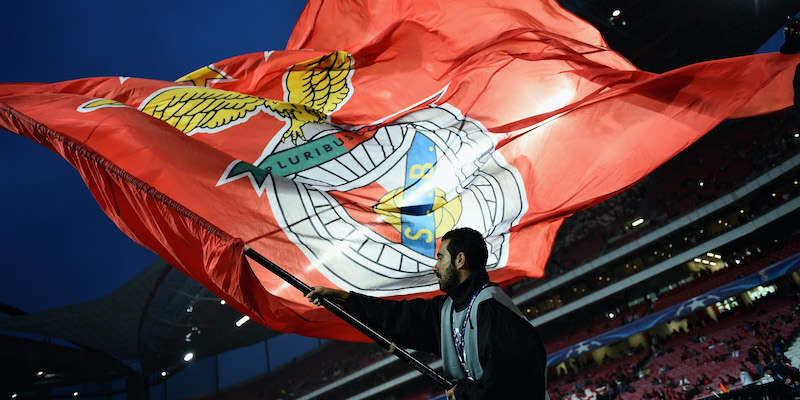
(684, 383)
(745, 377)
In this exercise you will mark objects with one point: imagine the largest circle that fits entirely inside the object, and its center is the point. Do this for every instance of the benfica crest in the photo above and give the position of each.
(415, 178)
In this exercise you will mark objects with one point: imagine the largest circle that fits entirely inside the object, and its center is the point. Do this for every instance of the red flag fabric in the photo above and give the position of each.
(383, 125)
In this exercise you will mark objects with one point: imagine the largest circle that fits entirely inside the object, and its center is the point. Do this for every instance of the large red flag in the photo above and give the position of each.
(383, 125)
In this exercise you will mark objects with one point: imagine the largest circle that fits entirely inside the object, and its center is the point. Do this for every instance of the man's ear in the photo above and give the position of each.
(461, 260)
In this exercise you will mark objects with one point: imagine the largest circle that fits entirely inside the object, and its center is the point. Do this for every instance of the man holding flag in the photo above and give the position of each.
(487, 346)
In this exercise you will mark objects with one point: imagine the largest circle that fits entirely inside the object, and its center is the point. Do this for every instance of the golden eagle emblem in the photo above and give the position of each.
(314, 89)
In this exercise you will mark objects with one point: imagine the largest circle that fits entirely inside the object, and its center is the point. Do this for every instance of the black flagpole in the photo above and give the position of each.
(350, 319)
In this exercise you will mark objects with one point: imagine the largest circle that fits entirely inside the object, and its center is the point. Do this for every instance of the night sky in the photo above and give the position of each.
(58, 247)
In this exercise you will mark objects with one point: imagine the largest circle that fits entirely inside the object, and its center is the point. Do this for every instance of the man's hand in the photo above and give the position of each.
(334, 295)
(451, 393)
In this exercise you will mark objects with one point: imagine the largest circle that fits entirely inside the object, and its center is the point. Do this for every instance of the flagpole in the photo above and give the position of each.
(352, 320)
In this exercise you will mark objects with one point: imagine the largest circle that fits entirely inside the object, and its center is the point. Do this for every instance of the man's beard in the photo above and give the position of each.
(449, 280)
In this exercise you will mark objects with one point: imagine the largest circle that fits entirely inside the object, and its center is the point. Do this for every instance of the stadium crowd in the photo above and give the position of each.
(690, 363)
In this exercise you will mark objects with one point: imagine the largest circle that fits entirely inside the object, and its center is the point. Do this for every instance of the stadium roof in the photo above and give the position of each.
(148, 325)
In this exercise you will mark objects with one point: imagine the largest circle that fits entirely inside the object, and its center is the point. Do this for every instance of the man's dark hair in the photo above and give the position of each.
(471, 243)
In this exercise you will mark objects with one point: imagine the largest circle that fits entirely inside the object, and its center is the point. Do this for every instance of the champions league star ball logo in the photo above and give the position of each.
(432, 170)
(418, 177)
(697, 303)
(582, 347)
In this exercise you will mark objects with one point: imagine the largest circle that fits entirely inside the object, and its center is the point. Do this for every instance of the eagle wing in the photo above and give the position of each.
(320, 83)
(198, 109)
(315, 89)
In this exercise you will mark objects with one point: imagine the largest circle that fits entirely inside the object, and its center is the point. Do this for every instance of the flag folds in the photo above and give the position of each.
(383, 125)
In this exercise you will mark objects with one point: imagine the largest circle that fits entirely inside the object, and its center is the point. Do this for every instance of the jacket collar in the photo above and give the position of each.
(462, 294)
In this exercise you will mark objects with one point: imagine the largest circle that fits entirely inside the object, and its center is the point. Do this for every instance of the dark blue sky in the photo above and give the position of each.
(58, 246)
